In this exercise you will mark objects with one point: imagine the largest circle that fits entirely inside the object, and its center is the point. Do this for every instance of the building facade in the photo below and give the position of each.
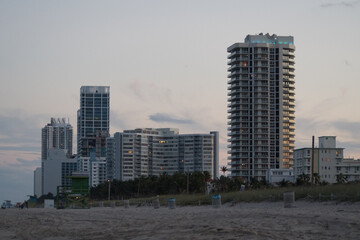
(38, 182)
(93, 128)
(57, 169)
(261, 105)
(93, 117)
(56, 135)
(152, 152)
(329, 162)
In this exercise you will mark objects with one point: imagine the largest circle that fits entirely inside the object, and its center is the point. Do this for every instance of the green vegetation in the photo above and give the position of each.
(178, 183)
(336, 192)
(143, 190)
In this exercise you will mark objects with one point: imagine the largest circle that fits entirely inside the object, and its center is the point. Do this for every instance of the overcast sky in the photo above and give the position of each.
(165, 63)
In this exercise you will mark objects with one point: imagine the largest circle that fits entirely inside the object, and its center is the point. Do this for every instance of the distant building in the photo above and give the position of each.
(93, 117)
(350, 168)
(153, 151)
(38, 182)
(261, 105)
(97, 171)
(55, 135)
(275, 176)
(93, 128)
(57, 169)
(328, 161)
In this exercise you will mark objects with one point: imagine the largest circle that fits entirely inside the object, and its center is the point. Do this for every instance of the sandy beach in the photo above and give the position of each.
(265, 220)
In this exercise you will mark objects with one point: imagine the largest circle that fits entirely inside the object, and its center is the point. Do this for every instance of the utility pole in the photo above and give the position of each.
(312, 159)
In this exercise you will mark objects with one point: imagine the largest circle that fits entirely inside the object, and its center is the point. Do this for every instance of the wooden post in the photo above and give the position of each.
(312, 159)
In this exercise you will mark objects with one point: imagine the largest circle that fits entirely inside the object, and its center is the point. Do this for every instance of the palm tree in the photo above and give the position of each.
(224, 169)
(316, 178)
(303, 179)
(340, 178)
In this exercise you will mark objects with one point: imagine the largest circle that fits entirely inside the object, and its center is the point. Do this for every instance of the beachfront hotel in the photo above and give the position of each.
(261, 105)
(154, 151)
(93, 124)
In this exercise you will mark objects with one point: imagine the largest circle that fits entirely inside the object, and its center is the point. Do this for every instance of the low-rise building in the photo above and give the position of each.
(328, 161)
(274, 176)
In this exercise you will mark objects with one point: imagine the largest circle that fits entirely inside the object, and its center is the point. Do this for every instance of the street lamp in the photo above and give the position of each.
(109, 181)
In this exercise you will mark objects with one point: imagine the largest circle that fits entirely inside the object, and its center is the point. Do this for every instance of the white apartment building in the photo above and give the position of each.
(97, 170)
(57, 169)
(274, 176)
(350, 168)
(56, 135)
(261, 105)
(329, 161)
(150, 151)
(38, 182)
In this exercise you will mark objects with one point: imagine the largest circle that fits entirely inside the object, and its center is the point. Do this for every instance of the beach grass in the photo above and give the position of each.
(335, 192)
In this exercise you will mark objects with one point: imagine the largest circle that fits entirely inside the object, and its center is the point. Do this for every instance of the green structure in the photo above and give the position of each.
(76, 195)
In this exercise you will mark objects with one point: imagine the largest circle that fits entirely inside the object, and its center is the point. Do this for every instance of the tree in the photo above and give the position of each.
(303, 179)
(316, 178)
(224, 169)
(340, 178)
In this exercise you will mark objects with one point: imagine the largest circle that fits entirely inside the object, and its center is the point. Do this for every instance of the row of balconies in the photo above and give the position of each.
(287, 65)
(235, 60)
(288, 59)
(241, 79)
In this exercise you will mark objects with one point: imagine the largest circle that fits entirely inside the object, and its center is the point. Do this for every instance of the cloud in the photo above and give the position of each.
(163, 117)
(19, 130)
(146, 91)
(15, 184)
(346, 132)
(118, 121)
(17, 174)
(340, 4)
(29, 163)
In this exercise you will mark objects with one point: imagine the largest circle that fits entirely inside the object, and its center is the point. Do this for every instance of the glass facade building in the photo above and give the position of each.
(93, 120)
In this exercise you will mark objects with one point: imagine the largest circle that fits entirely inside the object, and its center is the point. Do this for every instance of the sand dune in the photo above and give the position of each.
(242, 221)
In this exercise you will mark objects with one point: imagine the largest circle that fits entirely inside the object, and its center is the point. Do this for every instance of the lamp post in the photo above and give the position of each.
(109, 181)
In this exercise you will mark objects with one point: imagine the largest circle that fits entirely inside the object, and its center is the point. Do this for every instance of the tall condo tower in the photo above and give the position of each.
(56, 135)
(261, 105)
(93, 123)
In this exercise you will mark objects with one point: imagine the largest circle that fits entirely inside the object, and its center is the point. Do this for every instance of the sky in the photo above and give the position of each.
(166, 65)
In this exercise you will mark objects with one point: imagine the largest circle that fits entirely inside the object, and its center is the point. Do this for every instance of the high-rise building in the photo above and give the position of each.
(153, 151)
(93, 117)
(56, 135)
(261, 105)
(93, 123)
(93, 129)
